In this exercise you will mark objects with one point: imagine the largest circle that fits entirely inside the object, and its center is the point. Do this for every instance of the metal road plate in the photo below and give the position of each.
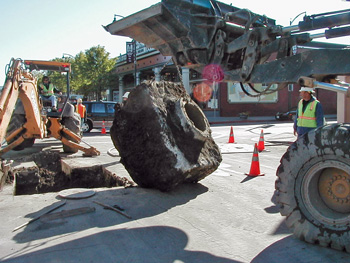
(76, 193)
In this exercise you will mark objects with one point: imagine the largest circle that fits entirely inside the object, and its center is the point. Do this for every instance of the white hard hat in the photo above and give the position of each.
(126, 94)
(307, 89)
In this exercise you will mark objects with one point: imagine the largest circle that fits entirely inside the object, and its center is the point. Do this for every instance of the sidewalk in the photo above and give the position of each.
(232, 120)
(254, 119)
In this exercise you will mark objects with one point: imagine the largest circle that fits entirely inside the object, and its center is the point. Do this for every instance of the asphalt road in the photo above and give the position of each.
(226, 217)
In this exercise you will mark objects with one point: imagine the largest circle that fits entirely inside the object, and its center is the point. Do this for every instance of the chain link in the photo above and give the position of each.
(180, 74)
(177, 67)
(164, 66)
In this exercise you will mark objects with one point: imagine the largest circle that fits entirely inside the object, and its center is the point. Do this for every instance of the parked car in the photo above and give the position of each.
(97, 112)
(285, 116)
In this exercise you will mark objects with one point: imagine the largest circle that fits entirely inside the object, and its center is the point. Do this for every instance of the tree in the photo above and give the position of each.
(94, 69)
(92, 73)
(80, 72)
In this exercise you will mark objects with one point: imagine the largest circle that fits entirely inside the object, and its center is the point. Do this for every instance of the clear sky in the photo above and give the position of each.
(45, 29)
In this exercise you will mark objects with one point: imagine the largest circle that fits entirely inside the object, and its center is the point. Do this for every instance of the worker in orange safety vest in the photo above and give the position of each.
(81, 109)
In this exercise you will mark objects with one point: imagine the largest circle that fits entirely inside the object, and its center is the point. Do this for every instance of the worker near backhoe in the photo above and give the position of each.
(309, 114)
(81, 109)
(47, 91)
(125, 98)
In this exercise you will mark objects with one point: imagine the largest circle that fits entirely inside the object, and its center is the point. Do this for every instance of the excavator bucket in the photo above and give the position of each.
(185, 30)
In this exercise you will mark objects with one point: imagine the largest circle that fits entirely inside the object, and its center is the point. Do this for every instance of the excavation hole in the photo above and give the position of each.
(51, 176)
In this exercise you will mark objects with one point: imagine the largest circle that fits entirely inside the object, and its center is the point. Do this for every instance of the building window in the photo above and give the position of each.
(235, 93)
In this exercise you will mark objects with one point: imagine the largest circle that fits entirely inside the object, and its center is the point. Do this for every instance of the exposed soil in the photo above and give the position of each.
(49, 176)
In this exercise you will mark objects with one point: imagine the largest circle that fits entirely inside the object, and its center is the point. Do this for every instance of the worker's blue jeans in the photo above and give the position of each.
(51, 98)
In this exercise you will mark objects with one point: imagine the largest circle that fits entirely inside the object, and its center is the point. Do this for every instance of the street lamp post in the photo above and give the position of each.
(294, 50)
(64, 55)
(133, 48)
(68, 82)
(135, 61)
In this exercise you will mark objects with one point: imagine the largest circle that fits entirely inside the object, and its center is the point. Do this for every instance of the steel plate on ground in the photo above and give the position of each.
(76, 193)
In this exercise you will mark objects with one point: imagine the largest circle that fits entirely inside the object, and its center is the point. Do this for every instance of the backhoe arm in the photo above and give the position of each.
(9, 96)
(22, 123)
(20, 84)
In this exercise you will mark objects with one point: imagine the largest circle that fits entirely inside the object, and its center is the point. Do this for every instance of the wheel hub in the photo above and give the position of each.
(340, 190)
(334, 187)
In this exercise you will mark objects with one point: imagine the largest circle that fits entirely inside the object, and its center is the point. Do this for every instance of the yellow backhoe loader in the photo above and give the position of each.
(23, 118)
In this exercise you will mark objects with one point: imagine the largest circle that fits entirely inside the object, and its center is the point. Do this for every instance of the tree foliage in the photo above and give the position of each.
(93, 72)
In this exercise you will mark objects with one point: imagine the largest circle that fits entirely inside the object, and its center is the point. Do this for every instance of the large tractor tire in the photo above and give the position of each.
(313, 187)
(16, 122)
(72, 124)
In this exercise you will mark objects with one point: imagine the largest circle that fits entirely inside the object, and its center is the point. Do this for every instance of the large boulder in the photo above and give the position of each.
(163, 137)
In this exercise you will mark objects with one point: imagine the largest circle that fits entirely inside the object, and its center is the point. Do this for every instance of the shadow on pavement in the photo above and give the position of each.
(137, 202)
(248, 178)
(142, 244)
(291, 250)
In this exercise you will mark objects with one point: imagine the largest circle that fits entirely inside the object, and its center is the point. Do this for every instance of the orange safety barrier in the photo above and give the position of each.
(261, 145)
(255, 166)
(231, 138)
(103, 131)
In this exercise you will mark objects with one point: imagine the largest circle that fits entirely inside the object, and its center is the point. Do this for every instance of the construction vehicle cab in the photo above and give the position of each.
(57, 66)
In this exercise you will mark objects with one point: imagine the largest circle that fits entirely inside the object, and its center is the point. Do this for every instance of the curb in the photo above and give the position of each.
(244, 121)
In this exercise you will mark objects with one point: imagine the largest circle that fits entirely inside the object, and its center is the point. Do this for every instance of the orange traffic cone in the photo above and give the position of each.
(231, 138)
(103, 131)
(255, 166)
(261, 145)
